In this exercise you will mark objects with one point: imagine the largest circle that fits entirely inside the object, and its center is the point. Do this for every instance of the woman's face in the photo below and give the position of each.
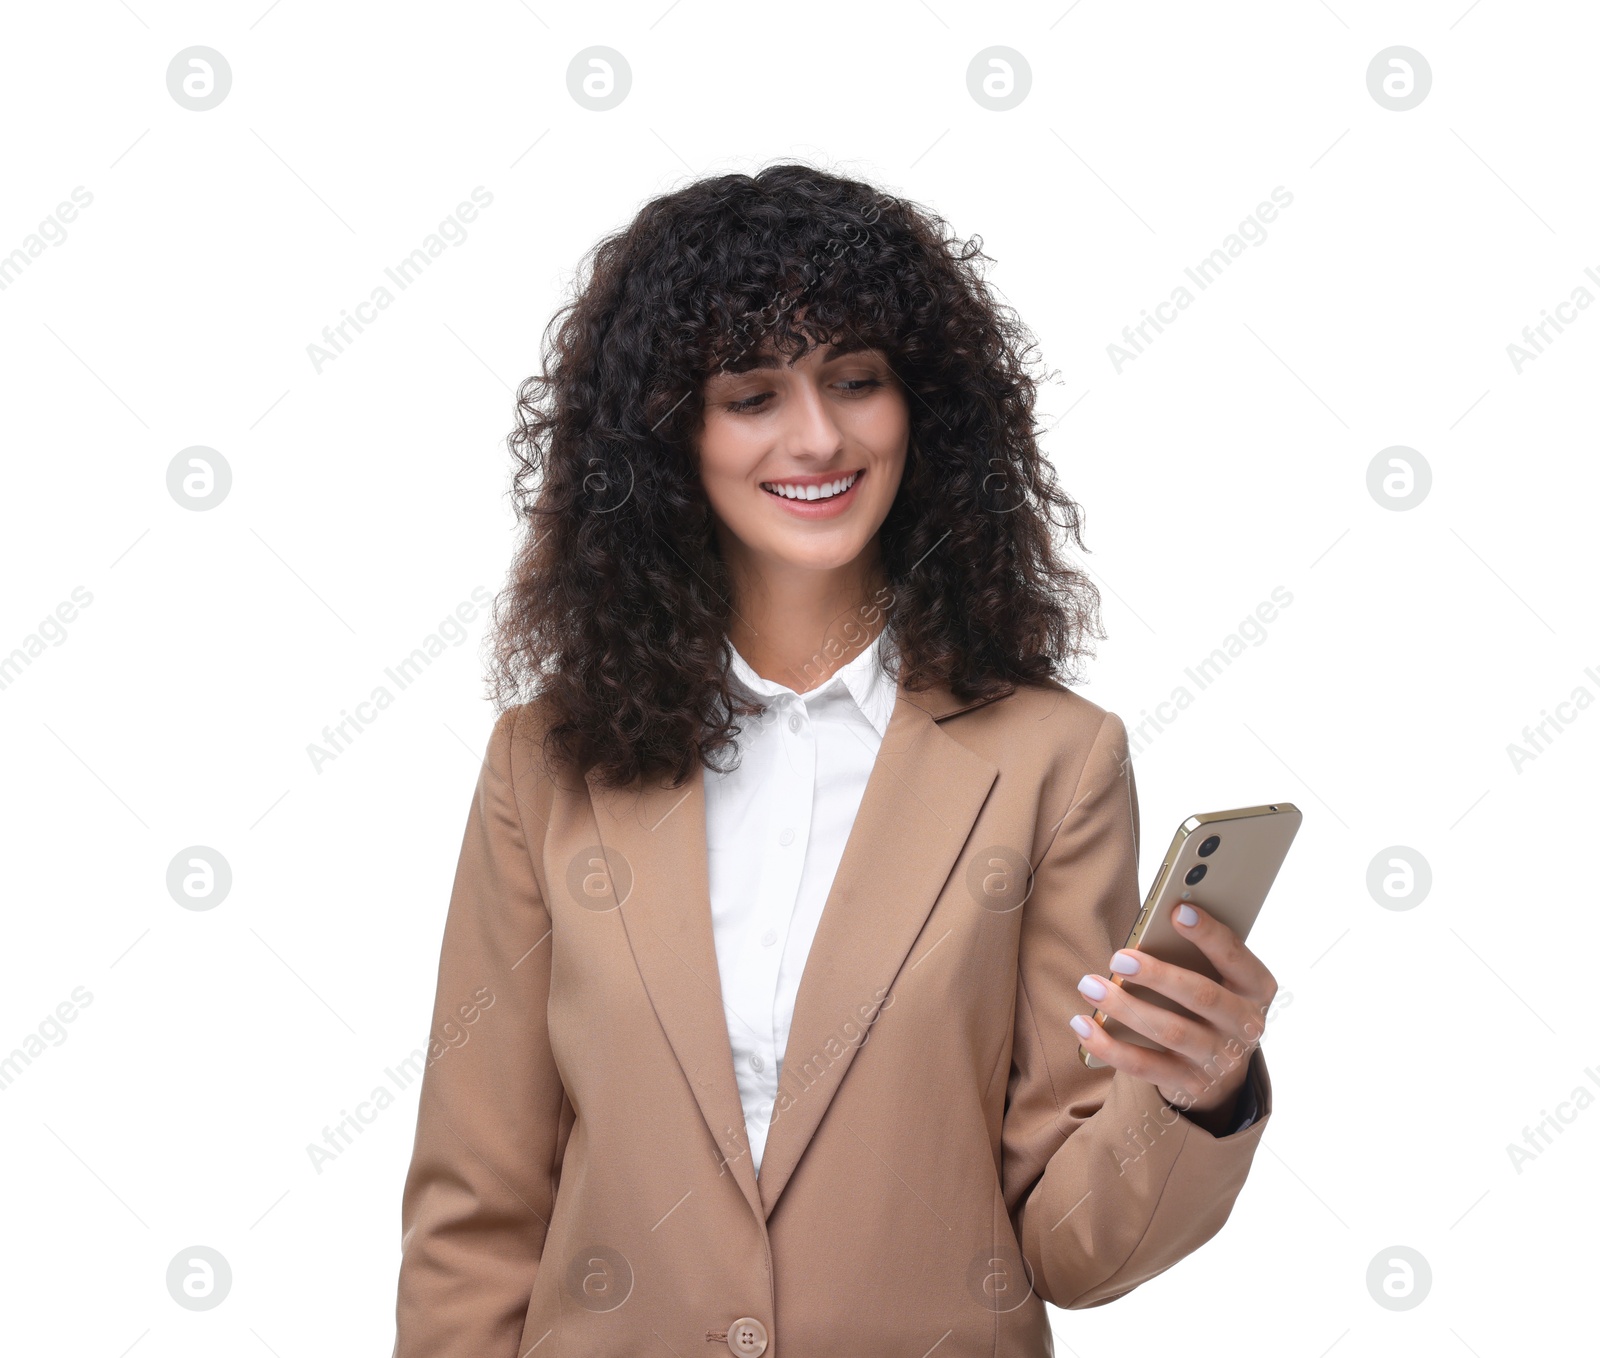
(801, 461)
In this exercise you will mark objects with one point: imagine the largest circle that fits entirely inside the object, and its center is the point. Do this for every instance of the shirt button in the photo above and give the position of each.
(756, 1063)
(769, 938)
(786, 835)
(747, 1336)
(794, 723)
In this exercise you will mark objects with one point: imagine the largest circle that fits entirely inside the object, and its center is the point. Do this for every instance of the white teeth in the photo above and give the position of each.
(826, 491)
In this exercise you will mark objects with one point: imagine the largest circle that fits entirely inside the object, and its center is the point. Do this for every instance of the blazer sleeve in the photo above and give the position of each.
(1106, 1183)
(490, 1119)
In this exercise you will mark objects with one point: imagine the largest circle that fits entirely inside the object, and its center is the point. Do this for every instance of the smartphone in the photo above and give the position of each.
(1223, 861)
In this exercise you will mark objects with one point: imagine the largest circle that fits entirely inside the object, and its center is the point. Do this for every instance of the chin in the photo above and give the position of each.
(816, 556)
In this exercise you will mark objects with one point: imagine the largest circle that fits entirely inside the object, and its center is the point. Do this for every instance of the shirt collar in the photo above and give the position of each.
(865, 679)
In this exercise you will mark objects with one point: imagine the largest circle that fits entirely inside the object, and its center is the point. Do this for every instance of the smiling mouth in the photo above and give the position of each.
(824, 490)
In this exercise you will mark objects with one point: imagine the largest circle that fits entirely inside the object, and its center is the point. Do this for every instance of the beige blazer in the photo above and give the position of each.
(940, 1165)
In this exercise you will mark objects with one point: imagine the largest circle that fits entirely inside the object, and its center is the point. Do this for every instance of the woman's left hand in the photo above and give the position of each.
(1206, 1057)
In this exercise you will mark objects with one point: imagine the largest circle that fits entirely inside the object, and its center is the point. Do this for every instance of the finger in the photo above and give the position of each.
(1199, 994)
(1160, 1068)
(1189, 1038)
(1240, 969)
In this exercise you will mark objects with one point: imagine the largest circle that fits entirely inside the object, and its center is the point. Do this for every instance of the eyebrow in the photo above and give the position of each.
(748, 361)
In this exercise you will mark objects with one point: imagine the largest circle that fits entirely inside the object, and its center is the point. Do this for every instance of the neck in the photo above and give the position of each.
(796, 626)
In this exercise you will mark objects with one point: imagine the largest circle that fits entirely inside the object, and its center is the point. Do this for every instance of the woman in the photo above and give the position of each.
(784, 896)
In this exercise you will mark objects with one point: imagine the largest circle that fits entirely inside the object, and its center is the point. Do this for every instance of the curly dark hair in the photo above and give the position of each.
(615, 615)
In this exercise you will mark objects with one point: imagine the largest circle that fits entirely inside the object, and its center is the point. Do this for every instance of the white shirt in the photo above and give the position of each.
(776, 829)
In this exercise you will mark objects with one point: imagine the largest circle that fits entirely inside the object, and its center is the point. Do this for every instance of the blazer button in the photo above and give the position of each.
(747, 1336)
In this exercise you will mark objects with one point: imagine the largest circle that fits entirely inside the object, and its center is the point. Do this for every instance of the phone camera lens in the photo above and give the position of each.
(1208, 846)
(1195, 873)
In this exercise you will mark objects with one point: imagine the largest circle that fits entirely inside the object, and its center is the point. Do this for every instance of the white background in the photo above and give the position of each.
(368, 501)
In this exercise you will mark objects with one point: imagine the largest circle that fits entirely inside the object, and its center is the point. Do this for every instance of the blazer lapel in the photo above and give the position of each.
(660, 835)
(923, 795)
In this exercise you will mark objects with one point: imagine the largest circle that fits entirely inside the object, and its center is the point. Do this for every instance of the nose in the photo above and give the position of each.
(809, 429)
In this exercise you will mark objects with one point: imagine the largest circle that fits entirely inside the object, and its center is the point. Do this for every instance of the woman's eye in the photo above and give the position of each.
(850, 386)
